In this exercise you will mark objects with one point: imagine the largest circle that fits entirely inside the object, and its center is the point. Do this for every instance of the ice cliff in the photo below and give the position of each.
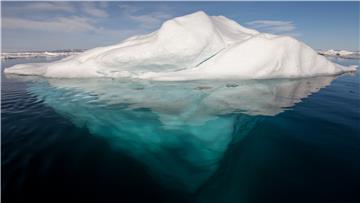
(191, 47)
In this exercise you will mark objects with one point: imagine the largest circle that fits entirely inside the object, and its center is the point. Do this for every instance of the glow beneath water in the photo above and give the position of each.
(174, 128)
(185, 133)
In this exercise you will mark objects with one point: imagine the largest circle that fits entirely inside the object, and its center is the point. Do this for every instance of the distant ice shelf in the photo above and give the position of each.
(36, 54)
(193, 47)
(340, 53)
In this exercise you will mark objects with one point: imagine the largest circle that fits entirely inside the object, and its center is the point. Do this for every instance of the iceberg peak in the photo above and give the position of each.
(191, 47)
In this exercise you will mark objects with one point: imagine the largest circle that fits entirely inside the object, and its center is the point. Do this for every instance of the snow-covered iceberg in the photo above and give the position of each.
(195, 46)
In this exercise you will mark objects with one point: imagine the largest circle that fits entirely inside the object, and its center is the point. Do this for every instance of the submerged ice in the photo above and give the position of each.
(180, 131)
(195, 46)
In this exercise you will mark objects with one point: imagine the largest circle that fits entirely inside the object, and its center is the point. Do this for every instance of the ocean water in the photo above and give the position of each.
(104, 140)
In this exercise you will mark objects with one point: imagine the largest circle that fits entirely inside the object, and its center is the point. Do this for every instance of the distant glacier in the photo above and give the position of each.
(36, 54)
(70, 52)
(340, 53)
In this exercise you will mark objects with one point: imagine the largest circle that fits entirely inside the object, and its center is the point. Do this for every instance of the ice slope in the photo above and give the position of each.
(195, 46)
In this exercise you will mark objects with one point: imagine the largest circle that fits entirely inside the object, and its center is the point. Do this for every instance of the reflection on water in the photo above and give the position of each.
(189, 100)
(179, 130)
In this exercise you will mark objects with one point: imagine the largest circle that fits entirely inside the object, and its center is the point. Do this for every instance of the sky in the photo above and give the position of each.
(81, 25)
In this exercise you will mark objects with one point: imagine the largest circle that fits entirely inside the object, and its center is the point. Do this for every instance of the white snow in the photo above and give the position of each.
(195, 46)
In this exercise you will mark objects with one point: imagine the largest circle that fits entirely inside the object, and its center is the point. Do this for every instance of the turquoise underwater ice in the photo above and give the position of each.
(180, 131)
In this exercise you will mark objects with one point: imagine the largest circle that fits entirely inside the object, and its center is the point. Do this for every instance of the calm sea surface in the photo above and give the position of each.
(104, 140)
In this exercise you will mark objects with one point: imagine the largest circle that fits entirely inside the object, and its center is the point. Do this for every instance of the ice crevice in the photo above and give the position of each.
(209, 57)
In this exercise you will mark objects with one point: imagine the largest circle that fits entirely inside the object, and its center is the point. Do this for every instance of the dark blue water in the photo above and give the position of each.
(135, 141)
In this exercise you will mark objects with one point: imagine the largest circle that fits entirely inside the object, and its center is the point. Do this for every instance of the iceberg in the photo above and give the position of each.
(193, 47)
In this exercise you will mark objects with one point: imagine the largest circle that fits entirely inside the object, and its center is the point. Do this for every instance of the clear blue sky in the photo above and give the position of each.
(63, 25)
